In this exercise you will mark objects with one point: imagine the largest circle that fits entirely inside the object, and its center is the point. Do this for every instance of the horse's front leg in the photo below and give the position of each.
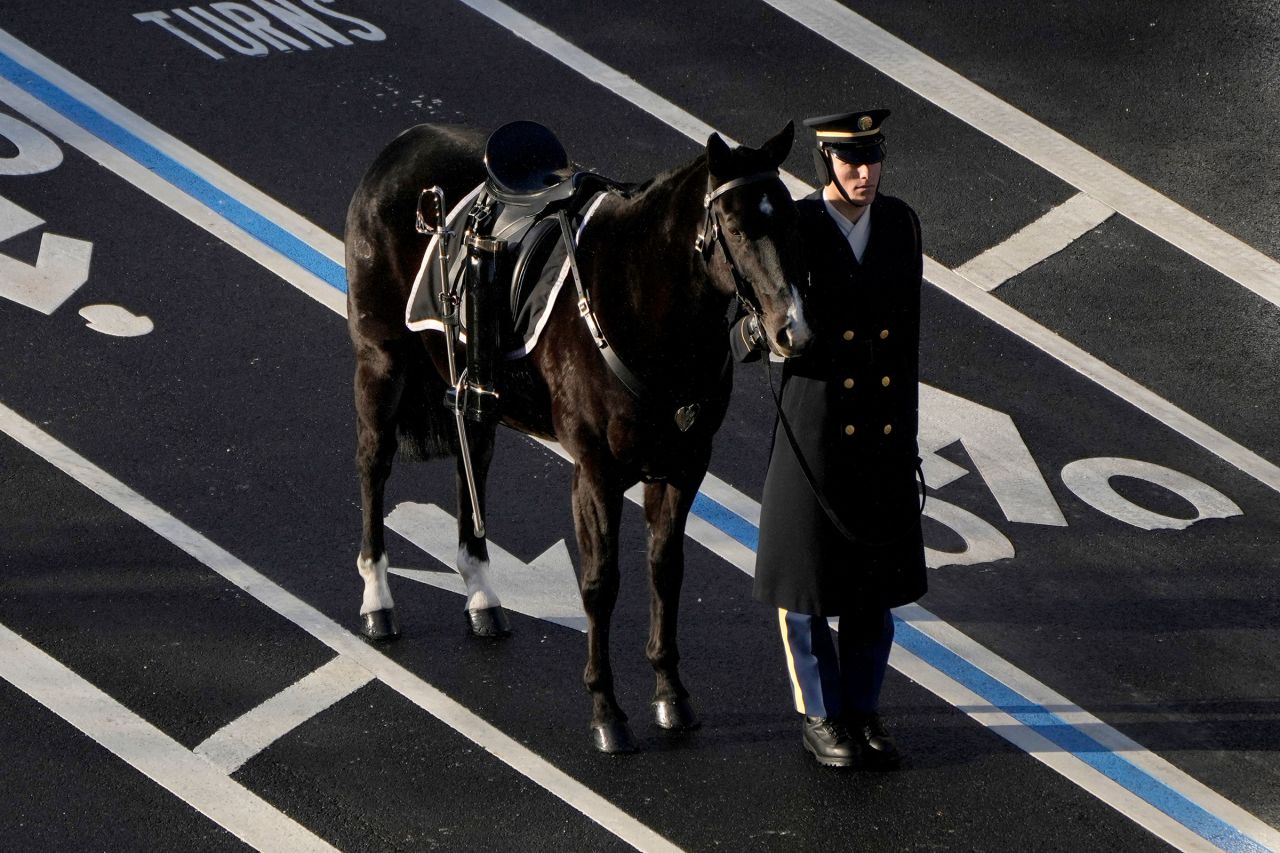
(597, 510)
(485, 616)
(379, 382)
(666, 507)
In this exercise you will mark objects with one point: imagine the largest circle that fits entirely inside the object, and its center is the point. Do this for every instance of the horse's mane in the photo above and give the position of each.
(667, 181)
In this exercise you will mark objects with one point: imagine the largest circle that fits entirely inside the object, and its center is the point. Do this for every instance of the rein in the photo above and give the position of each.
(827, 509)
(808, 473)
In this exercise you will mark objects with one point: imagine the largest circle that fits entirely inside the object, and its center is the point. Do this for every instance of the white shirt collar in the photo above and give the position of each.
(857, 233)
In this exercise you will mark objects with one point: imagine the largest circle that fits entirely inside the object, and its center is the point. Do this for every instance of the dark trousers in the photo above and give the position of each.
(830, 684)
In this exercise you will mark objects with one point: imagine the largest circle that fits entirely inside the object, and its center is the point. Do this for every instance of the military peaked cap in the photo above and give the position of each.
(853, 137)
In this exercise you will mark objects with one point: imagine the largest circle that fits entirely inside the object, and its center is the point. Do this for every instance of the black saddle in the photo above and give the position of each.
(525, 162)
(531, 178)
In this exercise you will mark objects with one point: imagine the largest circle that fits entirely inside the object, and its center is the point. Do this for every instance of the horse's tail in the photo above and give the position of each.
(424, 426)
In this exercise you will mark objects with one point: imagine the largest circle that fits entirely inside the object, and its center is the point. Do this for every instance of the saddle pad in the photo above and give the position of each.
(530, 306)
(423, 310)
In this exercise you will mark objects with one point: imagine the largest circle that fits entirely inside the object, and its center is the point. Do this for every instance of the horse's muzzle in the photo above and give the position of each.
(792, 337)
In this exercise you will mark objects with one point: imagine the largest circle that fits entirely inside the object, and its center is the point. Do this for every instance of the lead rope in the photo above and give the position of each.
(808, 473)
(804, 465)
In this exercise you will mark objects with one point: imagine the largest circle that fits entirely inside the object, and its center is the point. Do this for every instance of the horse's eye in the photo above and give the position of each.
(734, 232)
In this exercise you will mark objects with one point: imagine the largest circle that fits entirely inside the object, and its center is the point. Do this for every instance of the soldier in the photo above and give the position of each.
(840, 519)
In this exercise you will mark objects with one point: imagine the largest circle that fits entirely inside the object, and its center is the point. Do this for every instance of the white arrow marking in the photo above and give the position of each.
(993, 443)
(546, 588)
(60, 269)
(116, 321)
(15, 220)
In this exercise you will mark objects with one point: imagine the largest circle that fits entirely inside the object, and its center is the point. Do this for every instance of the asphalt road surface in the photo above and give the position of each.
(1094, 666)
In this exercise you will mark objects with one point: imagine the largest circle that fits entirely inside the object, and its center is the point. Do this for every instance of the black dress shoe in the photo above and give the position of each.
(873, 743)
(828, 741)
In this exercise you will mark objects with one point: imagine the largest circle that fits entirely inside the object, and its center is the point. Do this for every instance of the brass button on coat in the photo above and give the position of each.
(884, 333)
(848, 335)
(888, 428)
(848, 383)
(849, 430)
(885, 382)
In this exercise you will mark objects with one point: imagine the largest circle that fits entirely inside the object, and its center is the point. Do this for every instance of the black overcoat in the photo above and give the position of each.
(851, 400)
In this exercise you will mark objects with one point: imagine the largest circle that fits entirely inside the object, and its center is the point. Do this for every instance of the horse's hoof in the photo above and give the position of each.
(675, 715)
(489, 622)
(612, 738)
(380, 626)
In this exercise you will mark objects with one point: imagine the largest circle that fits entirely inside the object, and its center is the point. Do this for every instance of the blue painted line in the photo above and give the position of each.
(233, 210)
(726, 520)
(1074, 741)
(1035, 717)
(999, 695)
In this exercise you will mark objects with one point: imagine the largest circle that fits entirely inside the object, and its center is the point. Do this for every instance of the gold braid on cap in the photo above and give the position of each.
(865, 128)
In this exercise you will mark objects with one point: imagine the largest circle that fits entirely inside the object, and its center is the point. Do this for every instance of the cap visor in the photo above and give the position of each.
(859, 154)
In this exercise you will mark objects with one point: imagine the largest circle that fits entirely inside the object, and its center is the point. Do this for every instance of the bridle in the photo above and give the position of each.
(709, 237)
(712, 235)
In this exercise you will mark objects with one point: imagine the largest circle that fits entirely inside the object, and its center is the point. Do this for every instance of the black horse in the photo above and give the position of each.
(661, 303)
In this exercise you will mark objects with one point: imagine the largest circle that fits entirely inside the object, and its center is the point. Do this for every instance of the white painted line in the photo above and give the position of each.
(1047, 752)
(234, 744)
(204, 209)
(1046, 148)
(731, 499)
(716, 540)
(1042, 239)
(1013, 730)
(606, 76)
(166, 762)
(1189, 794)
(450, 712)
(1103, 374)
(1042, 695)
(935, 273)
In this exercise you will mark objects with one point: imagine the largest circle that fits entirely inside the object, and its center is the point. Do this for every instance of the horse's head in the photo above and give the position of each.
(751, 218)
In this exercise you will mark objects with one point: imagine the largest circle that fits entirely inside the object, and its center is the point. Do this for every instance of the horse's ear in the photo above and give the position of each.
(717, 156)
(779, 147)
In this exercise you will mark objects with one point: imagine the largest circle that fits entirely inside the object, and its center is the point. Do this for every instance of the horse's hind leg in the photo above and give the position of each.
(379, 383)
(485, 616)
(597, 510)
(666, 507)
